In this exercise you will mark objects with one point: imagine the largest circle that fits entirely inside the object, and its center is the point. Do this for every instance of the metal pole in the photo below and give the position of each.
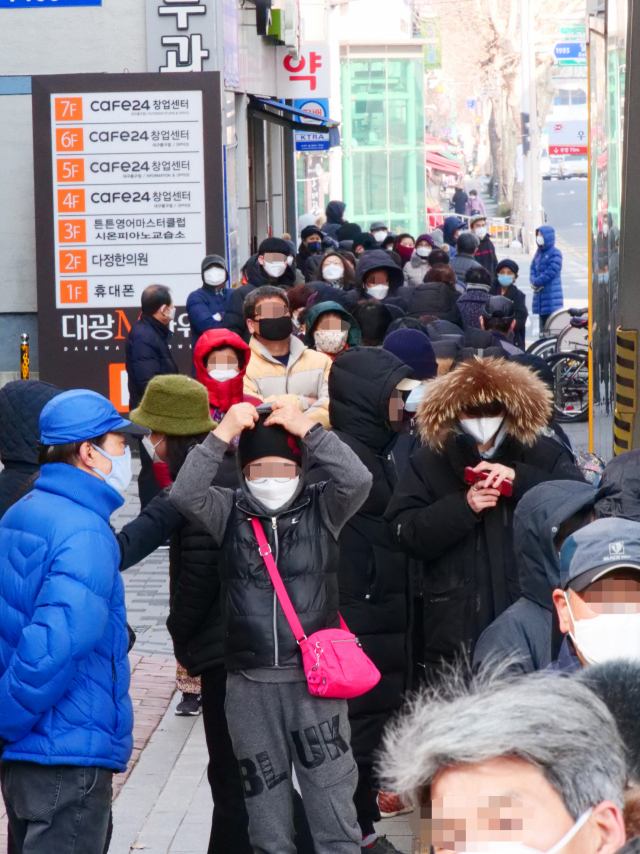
(525, 73)
(534, 130)
(24, 356)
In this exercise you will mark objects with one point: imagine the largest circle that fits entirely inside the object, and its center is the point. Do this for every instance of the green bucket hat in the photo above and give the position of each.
(174, 405)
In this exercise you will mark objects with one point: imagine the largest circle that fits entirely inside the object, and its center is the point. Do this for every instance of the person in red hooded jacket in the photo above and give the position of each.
(221, 358)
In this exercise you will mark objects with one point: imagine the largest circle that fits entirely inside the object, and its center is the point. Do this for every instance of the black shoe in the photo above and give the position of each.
(189, 705)
(381, 846)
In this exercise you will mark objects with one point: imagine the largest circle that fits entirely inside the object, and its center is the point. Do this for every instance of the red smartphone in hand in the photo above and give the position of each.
(472, 476)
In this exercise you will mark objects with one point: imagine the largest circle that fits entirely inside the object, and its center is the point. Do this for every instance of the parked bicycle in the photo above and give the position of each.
(564, 345)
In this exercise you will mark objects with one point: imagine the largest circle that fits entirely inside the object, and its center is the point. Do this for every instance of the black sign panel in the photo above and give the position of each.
(128, 192)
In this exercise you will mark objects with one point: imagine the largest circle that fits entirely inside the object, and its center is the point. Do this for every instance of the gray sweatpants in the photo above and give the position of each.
(273, 725)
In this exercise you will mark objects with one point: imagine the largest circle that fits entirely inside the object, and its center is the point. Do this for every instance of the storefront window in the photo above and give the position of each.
(383, 142)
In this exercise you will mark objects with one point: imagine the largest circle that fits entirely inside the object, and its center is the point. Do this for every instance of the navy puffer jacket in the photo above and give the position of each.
(64, 670)
(21, 403)
(546, 269)
(147, 356)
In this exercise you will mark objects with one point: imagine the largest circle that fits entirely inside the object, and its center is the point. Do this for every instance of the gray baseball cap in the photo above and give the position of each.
(602, 548)
(378, 226)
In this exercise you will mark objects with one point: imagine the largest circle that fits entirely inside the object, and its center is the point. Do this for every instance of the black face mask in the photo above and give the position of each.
(275, 328)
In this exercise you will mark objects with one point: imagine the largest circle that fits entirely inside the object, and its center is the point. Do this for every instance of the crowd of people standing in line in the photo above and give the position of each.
(400, 453)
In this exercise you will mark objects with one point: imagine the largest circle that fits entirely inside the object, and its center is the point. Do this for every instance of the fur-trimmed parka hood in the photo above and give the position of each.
(526, 398)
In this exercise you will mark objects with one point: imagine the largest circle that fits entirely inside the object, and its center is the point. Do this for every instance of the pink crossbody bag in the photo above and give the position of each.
(333, 659)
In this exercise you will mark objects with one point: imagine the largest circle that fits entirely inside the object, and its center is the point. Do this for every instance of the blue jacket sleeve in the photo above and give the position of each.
(549, 271)
(200, 315)
(71, 614)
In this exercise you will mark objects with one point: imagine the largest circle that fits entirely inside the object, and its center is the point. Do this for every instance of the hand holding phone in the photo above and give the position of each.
(494, 478)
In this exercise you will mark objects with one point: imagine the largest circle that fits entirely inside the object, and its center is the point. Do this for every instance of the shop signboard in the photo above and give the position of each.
(180, 35)
(313, 139)
(568, 137)
(304, 76)
(128, 183)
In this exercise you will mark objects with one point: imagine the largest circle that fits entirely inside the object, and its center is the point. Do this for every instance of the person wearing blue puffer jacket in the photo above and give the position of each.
(545, 275)
(66, 720)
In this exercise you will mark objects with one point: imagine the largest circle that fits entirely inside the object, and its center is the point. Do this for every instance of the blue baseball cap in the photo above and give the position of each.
(601, 548)
(78, 415)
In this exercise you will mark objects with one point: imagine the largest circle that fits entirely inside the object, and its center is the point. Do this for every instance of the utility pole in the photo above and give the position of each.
(530, 135)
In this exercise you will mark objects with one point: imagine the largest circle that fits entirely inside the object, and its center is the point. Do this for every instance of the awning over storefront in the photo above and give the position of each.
(291, 118)
(444, 163)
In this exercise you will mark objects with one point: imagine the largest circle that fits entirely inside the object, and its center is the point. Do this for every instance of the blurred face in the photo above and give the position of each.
(480, 223)
(331, 322)
(376, 277)
(508, 802)
(223, 359)
(396, 408)
(269, 308)
(271, 467)
(407, 241)
(313, 239)
(422, 244)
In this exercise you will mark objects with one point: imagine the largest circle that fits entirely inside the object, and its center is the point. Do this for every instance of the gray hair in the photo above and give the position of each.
(554, 722)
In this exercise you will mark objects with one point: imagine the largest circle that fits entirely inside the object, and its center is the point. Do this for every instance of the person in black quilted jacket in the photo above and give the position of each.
(147, 356)
(21, 403)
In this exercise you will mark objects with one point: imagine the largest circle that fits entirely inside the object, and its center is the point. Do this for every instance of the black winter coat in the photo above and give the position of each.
(470, 574)
(195, 621)
(436, 299)
(147, 356)
(486, 255)
(375, 590)
(21, 403)
(519, 301)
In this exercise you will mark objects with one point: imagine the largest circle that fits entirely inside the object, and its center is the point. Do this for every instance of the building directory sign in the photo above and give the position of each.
(121, 203)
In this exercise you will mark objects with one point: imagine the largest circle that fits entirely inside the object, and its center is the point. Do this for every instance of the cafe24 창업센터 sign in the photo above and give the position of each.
(128, 195)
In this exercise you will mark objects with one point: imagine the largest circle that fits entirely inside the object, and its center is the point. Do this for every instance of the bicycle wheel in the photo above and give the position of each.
(571, 381)
(543, 347)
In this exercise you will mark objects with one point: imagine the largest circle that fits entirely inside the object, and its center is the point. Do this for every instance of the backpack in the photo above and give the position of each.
(591, 465)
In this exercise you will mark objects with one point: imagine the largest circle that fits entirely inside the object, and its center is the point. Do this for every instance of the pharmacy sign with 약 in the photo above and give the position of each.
(128, 194)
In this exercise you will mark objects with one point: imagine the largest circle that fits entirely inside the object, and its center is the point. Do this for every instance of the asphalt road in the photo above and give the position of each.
(565, 204)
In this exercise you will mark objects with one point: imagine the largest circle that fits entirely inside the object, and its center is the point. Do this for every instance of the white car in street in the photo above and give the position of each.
(574, 166)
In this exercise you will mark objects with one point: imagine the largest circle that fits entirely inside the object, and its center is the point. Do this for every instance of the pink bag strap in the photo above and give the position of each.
(281, 591)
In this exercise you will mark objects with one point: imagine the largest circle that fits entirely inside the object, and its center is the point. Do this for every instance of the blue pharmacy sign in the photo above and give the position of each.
(45, 4)
(312, 140)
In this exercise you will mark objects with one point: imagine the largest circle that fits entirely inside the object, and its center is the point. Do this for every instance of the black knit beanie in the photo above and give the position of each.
(268, 442)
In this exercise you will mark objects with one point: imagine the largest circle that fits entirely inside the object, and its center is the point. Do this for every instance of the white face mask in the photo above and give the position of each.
(120, 475)
(330, 340)
(273, 492)
(482, 429)
(275, 268)
(380, 236)
(423, 251)
(169, 312)
(521, 848)
(607, 636)
(332, 272)
(414, 398)
(290, 260)
(378, 291)
(215, 276)
(150, 448)
(223, 374)
(540, 240)
(480, 233)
